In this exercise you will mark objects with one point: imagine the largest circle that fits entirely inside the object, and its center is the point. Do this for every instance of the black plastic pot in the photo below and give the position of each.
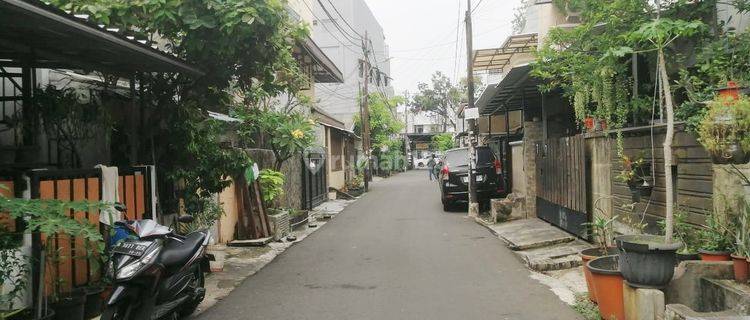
(732, 153)
(93, 305)
(646, 261)
(70, 307)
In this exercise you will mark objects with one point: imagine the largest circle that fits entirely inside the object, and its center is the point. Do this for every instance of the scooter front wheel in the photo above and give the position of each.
(120, 311)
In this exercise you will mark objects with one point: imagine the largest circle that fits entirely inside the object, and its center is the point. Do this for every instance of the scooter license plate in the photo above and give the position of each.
(132, 248)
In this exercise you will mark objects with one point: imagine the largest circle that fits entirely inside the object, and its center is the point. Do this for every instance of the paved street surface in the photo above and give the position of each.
(394, 254)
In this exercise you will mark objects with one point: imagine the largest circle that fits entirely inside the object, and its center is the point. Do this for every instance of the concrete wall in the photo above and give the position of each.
(518, 167)
(599, 164)
(532, 138)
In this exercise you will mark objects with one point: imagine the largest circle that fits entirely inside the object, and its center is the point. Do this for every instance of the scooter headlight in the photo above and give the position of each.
(136, 266)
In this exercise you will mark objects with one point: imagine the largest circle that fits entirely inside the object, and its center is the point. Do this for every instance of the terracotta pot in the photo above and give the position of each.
(588, 255)
(707, 255)
(589, 124)
(740, 269)
(731, 91)
(608, 284)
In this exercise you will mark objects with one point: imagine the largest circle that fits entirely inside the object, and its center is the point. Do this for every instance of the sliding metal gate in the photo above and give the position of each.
(561, 183)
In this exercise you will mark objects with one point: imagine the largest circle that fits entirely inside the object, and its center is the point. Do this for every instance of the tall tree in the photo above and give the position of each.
(440, 97)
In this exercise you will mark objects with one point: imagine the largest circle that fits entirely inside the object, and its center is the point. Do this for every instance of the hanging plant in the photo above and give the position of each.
(725, 130)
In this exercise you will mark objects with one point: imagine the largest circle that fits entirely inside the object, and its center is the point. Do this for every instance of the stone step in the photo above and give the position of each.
(720, 295)
(530, 233)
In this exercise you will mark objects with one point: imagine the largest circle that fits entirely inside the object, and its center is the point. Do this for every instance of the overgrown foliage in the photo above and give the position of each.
(286, 134)
(205, 216)
(271, 184)
(384, 124)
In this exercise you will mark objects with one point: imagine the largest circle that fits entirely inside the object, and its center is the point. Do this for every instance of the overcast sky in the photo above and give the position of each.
(422, 35)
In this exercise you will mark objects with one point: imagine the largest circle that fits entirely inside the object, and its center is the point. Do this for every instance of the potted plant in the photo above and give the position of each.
(636, 173)
(601, 232)
(297, 217)
(50, 217)
(716, 242)
(67, 304)
(685, 233)
(271, 186)
(608, 284)
(95, 288)
(355, 186)
(13, 270)
(725, 130)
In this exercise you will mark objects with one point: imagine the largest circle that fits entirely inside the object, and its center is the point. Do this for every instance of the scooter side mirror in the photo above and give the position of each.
(185, 218)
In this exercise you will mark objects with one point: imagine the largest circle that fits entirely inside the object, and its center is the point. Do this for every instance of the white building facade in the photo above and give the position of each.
(339, 28)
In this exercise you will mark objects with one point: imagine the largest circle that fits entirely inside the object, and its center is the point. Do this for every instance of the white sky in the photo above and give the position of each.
(422, 35)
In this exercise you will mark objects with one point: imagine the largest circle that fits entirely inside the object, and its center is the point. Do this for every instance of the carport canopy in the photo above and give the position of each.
(36, 35)
(514, 92)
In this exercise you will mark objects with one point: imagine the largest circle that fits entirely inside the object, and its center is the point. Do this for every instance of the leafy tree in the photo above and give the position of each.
(441, 97)
(443, 141)
(241, 44)
(286, 134)
(384, 124)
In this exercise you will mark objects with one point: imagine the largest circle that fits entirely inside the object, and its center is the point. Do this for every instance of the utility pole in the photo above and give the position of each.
(365, 116)
(406, 130)
(473, 204)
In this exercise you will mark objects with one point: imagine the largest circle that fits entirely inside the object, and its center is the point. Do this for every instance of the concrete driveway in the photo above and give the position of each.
(395, 254)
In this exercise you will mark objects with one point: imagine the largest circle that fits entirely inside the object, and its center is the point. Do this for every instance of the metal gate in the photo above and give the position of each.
(561, 183)
(314, 184)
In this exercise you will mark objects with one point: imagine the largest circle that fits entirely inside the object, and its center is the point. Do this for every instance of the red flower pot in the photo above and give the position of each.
(588, 255)
(608, 284)
(740, 269)
(707, 255)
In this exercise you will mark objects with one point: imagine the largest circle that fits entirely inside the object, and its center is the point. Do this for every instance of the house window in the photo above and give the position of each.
(436, 128)
(419, 129)
(337, 152)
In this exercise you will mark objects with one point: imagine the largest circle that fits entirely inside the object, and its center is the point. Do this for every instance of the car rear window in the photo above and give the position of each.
(459, 157)
(485, 156)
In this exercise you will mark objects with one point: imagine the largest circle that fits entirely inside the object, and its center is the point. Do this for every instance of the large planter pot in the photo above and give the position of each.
(708, 255)
(220, 255)
(608, 282)
(93, 305)
(588, 255)
(298, 219)
(280, 225)
(740, 268)
(647, 261)
(70, 307)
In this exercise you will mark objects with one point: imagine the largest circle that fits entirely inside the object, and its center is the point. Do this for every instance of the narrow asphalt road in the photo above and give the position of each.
(394, 254)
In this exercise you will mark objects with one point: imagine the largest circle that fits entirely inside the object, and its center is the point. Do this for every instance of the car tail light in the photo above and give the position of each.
(498, 167)
(445, 172)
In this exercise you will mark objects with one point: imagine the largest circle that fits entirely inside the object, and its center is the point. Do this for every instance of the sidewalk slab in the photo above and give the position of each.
(529, 234)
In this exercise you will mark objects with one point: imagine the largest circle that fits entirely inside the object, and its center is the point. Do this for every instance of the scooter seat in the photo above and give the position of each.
(176, 254)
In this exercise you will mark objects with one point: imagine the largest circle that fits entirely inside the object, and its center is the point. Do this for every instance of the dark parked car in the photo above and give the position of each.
(454, 176)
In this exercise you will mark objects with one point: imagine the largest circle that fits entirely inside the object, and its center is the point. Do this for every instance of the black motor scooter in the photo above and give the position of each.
(157, 273)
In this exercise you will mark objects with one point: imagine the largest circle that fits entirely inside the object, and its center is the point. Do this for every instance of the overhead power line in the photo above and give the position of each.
(344, 19)
(346, 46)
(350, 37)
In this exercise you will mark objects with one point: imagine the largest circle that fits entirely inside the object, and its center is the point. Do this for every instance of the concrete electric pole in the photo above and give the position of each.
(473, 204)
(365, 113)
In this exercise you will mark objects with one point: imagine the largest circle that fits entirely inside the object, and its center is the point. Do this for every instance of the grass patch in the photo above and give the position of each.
(586, 308)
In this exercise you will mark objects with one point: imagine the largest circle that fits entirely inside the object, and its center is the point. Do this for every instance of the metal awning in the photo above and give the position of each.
(512, 93)
(324, 70)
(497, 59)
(33, 34)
